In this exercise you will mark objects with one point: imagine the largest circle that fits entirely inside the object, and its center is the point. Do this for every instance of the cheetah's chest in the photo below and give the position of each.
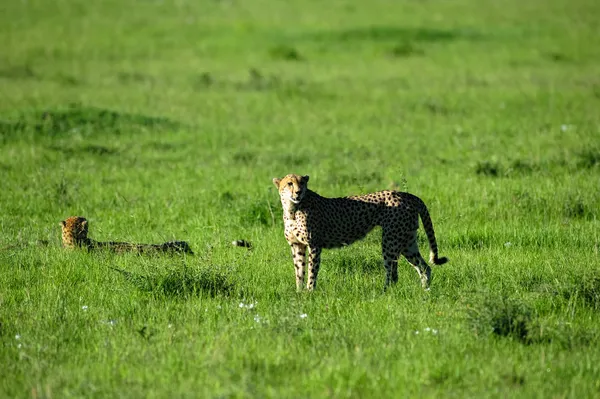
(295, 229)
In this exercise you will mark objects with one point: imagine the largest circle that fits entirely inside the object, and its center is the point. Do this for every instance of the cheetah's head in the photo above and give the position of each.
(74, 231)
(291, 188)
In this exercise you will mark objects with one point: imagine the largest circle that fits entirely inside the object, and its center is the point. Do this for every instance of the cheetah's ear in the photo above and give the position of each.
(84, 222)
(276, 182)
(63, 223)
(305, 179)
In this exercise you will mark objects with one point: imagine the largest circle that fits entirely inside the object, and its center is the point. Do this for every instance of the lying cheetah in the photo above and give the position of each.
(75, 234)
(316, 222)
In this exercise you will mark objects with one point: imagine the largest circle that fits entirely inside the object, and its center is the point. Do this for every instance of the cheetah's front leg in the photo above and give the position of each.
(299, 256)
(314, 262)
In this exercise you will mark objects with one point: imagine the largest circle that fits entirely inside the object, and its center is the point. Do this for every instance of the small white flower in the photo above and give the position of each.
(18, 336)
(19, 346)
(241, 304)
(564, 128)
(417, 332)
(250, 306)
(434, 331)
(427, 329)
(84, 308)
(170, 326)
(303, 316)
(257, 318)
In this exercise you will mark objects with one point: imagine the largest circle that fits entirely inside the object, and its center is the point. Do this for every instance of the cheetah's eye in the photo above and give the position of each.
(290, 184)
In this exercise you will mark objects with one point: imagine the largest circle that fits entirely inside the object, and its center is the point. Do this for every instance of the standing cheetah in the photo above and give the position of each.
(313, 222)
(75, 234)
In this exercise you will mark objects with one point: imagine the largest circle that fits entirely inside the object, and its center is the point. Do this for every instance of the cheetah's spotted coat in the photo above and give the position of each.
(313, 222)
(75, 234)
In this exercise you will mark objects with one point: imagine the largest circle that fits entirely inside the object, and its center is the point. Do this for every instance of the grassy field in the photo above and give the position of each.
(161, 120)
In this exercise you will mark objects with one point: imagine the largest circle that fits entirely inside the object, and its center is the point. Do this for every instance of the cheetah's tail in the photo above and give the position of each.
(437, 261)
(428, 226)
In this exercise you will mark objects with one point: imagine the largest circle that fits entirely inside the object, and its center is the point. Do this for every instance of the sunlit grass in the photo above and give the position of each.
(167, 121)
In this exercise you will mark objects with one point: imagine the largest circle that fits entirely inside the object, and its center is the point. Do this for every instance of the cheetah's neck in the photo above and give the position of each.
(289, 210)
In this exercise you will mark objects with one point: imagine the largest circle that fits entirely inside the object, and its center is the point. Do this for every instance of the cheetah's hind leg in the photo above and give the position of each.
(390, 248)
(413, 256)
(424, 270)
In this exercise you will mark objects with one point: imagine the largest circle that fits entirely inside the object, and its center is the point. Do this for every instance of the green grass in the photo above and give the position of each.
(163, 120)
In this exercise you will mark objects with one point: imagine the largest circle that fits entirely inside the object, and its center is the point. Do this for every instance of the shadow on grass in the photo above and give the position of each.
(576, 161)
(286, 53)
(182, 283)
(515, 168)
(585, 291)
(488, 168)
(92, 149)
(516, 319)
(18, 72)
(588, 159)
(259, 81)
(134, 77)
(405, 49)
(401, 42)
(575, 208)
(80, 120)
(353, 262)
(504, 317)
(391, 33)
